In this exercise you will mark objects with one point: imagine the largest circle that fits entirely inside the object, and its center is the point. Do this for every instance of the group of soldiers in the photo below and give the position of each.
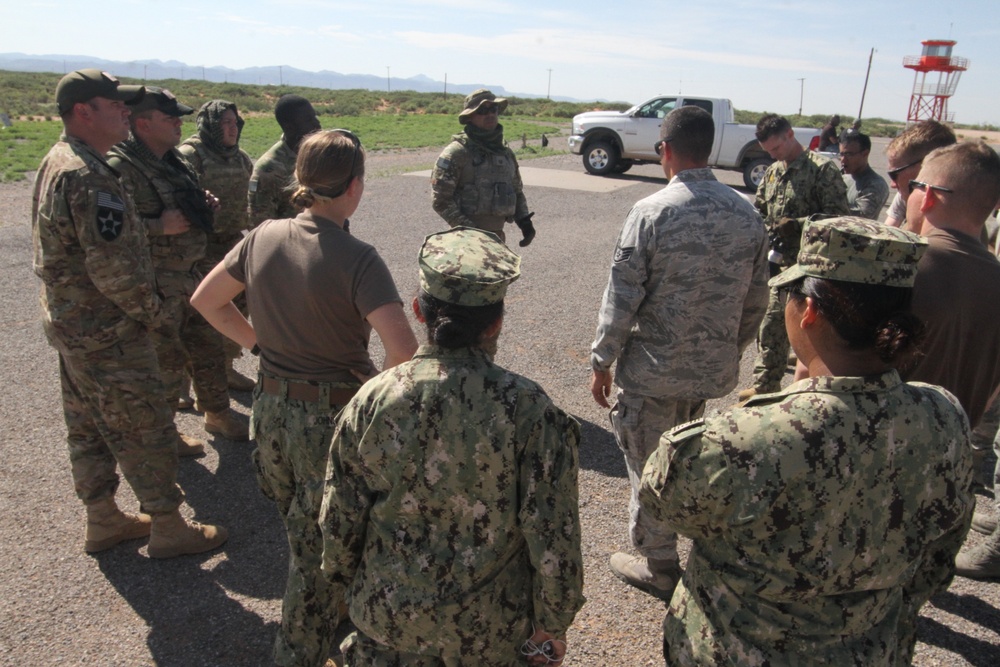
(126, 219)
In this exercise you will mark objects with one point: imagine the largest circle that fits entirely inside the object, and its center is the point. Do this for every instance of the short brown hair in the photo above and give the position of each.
(916, 141)
(973, 171)
(771, 124)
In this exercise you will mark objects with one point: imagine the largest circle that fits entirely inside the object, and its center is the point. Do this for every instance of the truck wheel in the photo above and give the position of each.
(623, 166)
(753, 172)
(599, 158)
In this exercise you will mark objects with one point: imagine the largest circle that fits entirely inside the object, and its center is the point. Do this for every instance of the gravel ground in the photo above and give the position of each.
(59, 606)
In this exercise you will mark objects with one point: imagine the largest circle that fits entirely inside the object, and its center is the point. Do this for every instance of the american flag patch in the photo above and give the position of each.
(108, 200)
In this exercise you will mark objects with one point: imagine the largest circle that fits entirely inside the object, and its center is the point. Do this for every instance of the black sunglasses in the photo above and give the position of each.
(920, 185)
(323, 192)
(894, 173)
(658, 146)
(486, 110)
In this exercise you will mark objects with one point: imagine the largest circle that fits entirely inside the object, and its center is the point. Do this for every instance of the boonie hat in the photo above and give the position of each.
(162, 100)
(467, 267)
(477, 99)
(855, 250)
(84, 85)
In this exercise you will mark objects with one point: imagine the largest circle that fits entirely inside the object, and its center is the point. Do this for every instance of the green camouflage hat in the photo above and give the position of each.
(467, 267)
(84, 85)
(855, 250)
(162, 100)
(477, 99)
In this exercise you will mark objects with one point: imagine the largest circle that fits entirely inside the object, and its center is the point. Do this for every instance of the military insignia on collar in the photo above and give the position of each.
(110, 215)
(623, 254)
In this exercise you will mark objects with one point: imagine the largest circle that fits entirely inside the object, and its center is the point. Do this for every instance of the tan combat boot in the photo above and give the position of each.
(980, 562)
(172, 536)
(237, 381)
(656, 577)
(189, 446)
(107, 526)
(984, 523)
(227, 424)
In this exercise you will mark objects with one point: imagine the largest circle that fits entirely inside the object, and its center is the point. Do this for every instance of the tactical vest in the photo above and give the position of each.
(485, 188)
(225, 177)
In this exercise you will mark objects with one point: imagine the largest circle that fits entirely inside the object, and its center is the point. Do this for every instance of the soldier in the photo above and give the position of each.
(223, 169)
(906, 153)
(451, 503)
(828, 135)
(315, 293)
(476, 181)
(957, 293)
(798, 185)
(688, 288)
(269, 198)
(98, 299)
(816, 539)
(866, 190)
(174, 210)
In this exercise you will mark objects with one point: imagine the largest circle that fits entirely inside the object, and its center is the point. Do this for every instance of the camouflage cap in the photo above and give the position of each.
(84, 85)
(855, 250)
(162, 100)
(467, 267)
(477, 99)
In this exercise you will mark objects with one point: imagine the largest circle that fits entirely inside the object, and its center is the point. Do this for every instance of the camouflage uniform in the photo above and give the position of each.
(810, 184)
(156, 185)
(687, 290)
(823, 517)
(98, 298)
(866, 194)
(272, 174)
(451, 510)
(476, 182)
(225, 172)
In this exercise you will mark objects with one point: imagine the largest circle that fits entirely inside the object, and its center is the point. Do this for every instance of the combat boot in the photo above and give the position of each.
(189, 446)
(107, 526)
(184, 401)
(656, 577)
(172, 536)
(227, 424)
(237, 381)
(980, 562)
(984, 523)
(746, 395)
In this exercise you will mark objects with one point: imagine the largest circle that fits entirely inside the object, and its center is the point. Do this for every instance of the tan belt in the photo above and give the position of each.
(301, 391)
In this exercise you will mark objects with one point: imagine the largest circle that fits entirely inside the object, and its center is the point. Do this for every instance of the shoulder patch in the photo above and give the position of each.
(623, 254)
(443, 163)
(110, 215)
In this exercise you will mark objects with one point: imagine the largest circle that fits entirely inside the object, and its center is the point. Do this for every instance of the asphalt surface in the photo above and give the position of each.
(60, 606)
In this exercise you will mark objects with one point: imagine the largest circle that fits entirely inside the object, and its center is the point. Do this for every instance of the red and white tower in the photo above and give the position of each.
(930, 94)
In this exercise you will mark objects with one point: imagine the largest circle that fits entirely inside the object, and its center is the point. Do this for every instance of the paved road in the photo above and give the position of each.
(59, 606)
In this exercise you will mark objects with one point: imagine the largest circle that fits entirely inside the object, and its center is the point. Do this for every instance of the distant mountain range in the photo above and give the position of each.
(157, 70)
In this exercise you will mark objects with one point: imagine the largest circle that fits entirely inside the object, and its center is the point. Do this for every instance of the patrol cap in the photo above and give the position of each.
(477, 99)
(855, 250)
(84, 85)
(162, 100)
(467, 267)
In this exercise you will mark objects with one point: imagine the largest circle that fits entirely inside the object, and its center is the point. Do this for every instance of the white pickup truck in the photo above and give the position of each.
(612, 141)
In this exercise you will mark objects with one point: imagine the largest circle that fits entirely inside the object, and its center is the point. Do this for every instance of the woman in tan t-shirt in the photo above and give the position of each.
(314, 293)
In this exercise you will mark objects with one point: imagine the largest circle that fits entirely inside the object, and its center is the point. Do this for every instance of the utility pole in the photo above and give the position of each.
(865, 90)
(446, 84)
(281, 76)
(802, 90)
(548, 93)
(388, 81)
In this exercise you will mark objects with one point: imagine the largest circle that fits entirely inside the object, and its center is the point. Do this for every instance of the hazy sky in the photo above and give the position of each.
(753, 52)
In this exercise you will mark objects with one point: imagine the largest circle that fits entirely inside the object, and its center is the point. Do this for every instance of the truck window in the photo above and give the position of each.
(703, 104)
(657, 108)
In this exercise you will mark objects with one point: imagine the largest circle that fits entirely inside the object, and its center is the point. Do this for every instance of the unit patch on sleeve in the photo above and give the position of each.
(110, 215)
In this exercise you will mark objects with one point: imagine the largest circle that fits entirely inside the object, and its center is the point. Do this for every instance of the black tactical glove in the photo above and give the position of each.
(527, 229)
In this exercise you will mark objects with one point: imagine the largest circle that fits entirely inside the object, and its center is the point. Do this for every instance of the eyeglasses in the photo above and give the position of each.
(920, 185)
(334, 193)
(486, 110)
(894, 173)
(658, 146)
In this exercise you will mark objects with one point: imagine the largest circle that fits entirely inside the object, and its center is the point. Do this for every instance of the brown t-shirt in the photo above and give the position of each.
(310, 285)
(957, 295)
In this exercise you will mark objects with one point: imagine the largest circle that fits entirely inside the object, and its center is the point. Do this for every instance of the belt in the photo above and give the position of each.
(301, 391)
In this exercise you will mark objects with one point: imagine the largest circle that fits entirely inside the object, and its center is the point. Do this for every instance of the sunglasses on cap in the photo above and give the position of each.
(323, 192)
(487, 109)
(894, 173)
